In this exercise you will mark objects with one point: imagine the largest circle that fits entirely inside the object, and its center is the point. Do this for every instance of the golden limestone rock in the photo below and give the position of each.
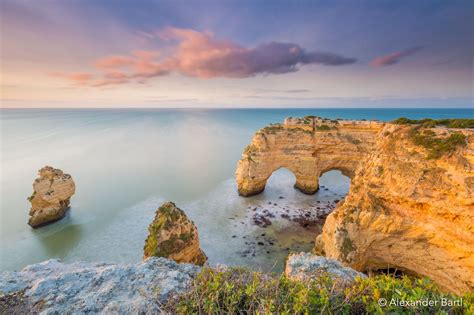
(52, 191)
(308, 147)
(410, 207)
(172, 235)
(410, 204)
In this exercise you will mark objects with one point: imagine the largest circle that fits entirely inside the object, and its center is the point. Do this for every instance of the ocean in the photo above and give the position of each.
(126, 162)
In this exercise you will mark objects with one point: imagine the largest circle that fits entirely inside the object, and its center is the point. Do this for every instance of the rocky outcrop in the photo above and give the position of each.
(410, 204)
(52, 191)
(410, 207)
(308, 147)
(53, 287)
(306, 266)
(174, 236)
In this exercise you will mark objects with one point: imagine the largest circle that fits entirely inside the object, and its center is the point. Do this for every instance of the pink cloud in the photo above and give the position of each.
(395, 57)
(115, 61)
(201, 55)
(76, 77)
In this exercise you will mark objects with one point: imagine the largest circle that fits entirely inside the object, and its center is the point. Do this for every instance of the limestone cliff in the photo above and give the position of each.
(172, 235)
(409, 209)
(410, 204)
(52, 191)
(308, 147)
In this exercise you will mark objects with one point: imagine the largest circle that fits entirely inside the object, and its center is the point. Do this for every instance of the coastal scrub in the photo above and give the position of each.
(242, 291)
(427, 122)
(435, 145)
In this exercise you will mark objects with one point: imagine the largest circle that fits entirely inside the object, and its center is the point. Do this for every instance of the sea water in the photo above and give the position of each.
(126, 162)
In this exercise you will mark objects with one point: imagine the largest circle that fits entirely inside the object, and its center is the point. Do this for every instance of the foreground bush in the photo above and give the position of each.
(241, 291)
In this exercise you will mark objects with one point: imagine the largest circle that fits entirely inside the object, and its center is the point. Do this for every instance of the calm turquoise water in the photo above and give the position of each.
(127, 162)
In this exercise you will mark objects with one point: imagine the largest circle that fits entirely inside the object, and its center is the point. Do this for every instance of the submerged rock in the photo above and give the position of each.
(52, 287)
(174, 236)
(306, 266)
(52, 191)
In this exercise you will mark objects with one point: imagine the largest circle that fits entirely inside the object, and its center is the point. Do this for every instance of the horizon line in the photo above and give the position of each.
(225, 108)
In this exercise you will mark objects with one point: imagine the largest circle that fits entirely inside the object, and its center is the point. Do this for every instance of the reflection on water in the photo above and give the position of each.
(59, 244)
(125, 163)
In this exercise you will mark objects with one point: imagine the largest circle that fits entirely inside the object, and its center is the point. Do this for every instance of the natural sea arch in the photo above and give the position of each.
(304, 150)
(332, 179)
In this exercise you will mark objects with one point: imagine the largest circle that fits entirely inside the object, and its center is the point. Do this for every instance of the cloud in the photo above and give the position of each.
(201, 55)
(394, 58)
(80, 78)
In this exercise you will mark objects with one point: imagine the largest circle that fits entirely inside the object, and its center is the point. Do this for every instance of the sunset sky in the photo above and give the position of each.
(236, 53)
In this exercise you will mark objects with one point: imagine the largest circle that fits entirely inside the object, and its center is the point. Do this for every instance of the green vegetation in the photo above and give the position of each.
(30, 198)
(166, 248)
(166, 217)
(273, 128)
(351, 139)
(323, 128)
(450, 123)
(249, 151)
(241, 291)
(436, 146)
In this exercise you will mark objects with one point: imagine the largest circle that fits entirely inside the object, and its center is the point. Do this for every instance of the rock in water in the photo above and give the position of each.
(306, 266)
(52, 191)
(172, 235)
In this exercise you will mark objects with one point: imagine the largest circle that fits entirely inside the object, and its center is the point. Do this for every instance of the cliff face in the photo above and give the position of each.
(172, 235)
(307, 147)
(410, 208)
(410, 204)
(52, 191)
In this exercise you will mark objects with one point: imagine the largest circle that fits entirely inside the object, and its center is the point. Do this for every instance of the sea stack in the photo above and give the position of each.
(172, 235)
(52, 191)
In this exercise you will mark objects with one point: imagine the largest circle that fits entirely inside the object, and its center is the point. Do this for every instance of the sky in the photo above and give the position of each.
(194, 54)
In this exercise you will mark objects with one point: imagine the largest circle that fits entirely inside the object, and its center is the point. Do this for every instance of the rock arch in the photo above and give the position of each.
(307, 147)
(405, 208)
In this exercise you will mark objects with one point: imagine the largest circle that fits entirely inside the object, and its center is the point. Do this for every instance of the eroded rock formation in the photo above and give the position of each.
(307, 147)
(172, 235)
(410, 204)
(408, 211)
(52, 191)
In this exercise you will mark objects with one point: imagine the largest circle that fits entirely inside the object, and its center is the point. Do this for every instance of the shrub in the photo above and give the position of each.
(323, 127)
(241, 291)
(450, 123)
(272, 128)
(437, 146)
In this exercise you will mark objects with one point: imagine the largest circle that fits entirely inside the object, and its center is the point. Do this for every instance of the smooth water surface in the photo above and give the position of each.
(127, 162)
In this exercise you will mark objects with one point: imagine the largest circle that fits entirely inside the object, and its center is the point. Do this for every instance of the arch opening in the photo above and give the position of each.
(335, 181)
(280, 181)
